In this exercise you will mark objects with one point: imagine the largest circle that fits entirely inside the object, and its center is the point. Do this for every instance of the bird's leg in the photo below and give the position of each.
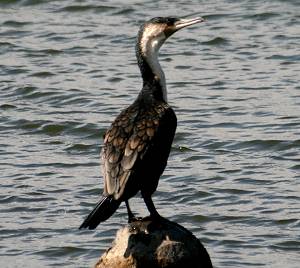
(131, 216)
(149, 203)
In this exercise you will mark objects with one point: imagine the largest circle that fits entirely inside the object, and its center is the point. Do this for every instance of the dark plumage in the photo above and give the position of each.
(138, 143)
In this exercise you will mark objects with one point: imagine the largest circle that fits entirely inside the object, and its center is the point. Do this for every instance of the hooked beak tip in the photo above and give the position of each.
(187, 22)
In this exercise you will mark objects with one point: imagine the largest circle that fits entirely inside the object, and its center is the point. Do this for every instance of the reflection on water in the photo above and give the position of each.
(67, 68)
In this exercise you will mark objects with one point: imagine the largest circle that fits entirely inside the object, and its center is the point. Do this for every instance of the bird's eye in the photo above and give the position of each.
(171, 21)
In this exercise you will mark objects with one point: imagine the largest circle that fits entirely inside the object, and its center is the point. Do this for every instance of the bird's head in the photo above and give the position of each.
(156, 31)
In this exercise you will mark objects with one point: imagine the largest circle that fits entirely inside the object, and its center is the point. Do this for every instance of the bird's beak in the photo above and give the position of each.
(187, 22)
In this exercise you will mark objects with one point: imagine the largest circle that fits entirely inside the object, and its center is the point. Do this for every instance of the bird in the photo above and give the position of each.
(137, 145)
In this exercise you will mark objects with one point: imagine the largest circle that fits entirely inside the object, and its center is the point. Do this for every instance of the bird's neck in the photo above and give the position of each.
(154, 82)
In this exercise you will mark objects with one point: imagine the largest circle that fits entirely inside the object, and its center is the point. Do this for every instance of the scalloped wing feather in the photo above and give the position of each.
(126, 142)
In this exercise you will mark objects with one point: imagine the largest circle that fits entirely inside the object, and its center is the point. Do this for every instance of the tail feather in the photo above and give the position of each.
(103, 210)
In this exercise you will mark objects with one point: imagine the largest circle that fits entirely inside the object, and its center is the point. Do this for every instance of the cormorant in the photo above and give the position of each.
(138, 143)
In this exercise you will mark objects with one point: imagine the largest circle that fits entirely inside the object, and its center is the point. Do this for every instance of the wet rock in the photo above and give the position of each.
(155, 244)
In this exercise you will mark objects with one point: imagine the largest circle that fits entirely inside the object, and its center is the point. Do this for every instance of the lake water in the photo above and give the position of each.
(67, 68)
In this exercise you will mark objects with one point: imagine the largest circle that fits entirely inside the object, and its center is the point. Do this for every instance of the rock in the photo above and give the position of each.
(155, 244)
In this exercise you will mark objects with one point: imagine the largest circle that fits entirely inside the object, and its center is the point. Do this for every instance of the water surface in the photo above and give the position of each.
(68, 67)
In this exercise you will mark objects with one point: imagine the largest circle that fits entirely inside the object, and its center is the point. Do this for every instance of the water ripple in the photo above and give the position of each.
(84, 8)
(217, 41)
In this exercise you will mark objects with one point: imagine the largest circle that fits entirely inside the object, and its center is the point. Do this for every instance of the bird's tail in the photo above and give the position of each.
(103, 210)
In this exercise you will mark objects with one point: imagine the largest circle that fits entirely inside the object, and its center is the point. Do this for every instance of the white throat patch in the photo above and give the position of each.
(151, 41)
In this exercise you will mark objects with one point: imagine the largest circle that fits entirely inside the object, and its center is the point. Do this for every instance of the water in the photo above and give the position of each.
(68, 67)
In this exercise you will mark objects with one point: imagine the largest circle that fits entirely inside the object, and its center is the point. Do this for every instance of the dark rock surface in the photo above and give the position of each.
(155, 244)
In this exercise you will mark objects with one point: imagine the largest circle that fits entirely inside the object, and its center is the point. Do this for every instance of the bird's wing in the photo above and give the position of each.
(125, 142)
